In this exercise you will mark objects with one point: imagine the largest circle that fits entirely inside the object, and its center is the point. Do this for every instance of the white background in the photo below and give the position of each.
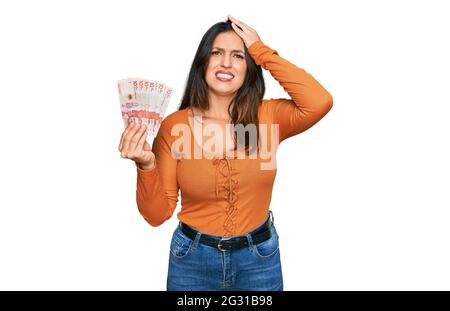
(361, 200)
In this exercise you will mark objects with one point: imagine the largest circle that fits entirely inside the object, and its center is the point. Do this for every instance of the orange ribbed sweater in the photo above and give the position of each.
(228, 195)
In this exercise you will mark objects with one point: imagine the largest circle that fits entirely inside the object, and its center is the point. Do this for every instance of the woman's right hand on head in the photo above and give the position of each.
(133, 146)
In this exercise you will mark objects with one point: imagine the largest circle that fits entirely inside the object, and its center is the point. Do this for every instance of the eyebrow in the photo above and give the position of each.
(220, 49)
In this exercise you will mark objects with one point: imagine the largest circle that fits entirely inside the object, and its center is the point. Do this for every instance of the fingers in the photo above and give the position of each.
(127, 130)
(235, 23)
(143, 132)
(130, 139)
(236, 28)
(242, 25)
(134, 140)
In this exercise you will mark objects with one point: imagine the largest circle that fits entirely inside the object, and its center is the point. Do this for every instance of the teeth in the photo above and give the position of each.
(224, 76)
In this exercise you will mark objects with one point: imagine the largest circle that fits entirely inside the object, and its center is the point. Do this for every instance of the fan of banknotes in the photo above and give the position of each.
(143, 101)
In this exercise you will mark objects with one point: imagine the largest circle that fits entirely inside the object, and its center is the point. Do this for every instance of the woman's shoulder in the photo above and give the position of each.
(178, 116)
(172, 120)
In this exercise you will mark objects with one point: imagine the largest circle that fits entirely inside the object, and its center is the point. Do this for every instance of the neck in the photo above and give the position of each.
(218, 106)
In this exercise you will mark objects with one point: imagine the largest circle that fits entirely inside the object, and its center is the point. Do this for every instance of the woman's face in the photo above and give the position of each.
(226, 69)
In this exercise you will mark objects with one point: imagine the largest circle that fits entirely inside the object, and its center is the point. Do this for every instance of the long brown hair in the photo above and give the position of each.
(247, 99)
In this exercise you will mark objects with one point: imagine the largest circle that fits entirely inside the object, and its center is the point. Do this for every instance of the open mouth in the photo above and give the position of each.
(224, 76)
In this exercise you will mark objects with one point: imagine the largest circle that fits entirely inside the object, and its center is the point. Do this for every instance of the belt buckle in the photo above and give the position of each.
(223, 239)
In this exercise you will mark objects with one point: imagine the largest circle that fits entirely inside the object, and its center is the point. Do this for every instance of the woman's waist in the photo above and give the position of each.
(221, 223)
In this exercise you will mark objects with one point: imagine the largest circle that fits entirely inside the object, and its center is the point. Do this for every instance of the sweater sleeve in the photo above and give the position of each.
(157, 189)
(310, 100)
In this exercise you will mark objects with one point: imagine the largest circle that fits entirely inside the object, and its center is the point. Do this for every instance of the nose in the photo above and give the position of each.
(226, 60)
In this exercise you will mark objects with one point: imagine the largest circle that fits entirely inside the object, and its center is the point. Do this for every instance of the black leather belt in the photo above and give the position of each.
(230, 243)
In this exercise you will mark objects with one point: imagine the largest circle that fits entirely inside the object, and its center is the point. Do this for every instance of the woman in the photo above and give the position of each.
(226, 237)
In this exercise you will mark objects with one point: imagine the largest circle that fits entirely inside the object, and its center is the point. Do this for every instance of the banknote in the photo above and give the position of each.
(144, 101)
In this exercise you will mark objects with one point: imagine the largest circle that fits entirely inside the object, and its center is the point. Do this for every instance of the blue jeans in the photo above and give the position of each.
(198, 267)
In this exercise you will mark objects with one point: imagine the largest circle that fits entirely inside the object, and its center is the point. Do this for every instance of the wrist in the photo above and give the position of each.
(147, 166)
